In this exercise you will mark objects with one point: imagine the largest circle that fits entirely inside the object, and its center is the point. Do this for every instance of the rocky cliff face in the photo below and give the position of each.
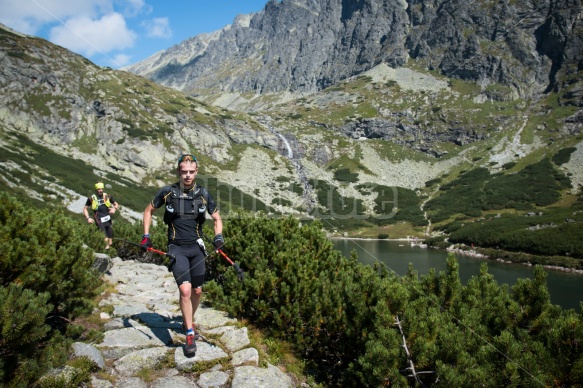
(113, 120)
(288, 155)
(303, 46)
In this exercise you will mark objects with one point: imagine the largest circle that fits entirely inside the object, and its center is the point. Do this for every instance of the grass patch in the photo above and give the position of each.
(344, 175)
(538, 184)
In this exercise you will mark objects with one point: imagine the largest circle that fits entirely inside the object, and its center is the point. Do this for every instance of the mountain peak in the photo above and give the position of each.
(304, 46)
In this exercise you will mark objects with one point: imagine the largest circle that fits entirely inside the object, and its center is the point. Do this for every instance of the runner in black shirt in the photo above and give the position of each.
(186, 205)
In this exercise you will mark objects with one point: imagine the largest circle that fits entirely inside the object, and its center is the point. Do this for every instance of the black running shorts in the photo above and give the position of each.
(189, 267)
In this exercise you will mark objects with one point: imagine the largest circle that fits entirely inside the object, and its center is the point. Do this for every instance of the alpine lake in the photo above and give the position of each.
(565, 288)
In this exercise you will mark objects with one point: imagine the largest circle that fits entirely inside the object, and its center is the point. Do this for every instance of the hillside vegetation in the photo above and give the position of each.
(364, 326)
(46, 282)
(349, 324)
(388, 152)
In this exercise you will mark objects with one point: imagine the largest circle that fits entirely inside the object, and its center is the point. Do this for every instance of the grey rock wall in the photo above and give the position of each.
(306, 45)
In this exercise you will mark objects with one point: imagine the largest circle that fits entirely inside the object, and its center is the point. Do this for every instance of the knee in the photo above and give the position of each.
(185, 292)
(198, 291)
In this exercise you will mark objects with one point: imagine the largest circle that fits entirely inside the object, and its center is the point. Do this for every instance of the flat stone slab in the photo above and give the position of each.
(136, 337)
(132, 363)
(253, 377)
(236, 339)
(204, 352)
(214, 379)
(128, 310)
(131, 382)
(173, 382)
(87, 350)
(207, 318)
(249, 356)
(156, 320)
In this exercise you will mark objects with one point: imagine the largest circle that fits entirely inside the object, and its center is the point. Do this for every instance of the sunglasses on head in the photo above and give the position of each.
(187, 158)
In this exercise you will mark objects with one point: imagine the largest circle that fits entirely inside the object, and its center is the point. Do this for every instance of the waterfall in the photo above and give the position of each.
(309, 195)
(290, 153)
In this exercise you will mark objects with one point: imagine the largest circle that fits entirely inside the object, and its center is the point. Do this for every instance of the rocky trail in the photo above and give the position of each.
(142, 346)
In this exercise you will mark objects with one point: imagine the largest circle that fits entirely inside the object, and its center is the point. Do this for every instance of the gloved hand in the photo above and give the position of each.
(219, 241)
(146, 242)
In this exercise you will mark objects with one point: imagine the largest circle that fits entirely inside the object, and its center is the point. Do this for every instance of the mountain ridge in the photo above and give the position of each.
(390, 127)
(305, 46)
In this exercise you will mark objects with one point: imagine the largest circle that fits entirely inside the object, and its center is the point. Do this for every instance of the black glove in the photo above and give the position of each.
(146, 242)
(219, 241)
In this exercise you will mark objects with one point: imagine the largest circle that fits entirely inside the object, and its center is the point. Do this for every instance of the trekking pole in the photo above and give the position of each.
(240, 272)
(151, 249)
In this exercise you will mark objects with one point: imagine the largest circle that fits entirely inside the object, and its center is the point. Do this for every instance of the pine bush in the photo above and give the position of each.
(46, 280)
(343, 316)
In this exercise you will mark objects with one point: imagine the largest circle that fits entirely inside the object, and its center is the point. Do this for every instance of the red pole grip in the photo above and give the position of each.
(225, 256)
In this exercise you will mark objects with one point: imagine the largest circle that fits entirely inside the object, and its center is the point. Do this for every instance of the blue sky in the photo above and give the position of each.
(116, 33)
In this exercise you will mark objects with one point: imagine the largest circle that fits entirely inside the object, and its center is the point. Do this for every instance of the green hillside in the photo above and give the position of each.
(374, 155)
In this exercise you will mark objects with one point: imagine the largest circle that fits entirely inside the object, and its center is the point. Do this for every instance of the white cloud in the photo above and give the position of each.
(87, 36)
(132, 8)
(29, 16)
(120, 60)
(157, 27)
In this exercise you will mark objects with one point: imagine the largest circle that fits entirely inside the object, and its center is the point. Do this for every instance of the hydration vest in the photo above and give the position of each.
(95, 201)
(189, 206)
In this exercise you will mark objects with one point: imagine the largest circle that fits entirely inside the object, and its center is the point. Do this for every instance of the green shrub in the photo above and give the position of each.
(509, 165)
(171, 110)
(334, 204)
(137, 132)
(538, 184)
(297, 188)
(343, 316)
(17, 54)
(46, 281)
(125, 121)
(512, 233)
(344, 175)
(432, 182)
(404, 203)
(281, 202)
(563, 156)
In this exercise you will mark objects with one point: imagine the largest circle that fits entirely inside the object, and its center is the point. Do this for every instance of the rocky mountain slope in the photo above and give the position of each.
(305, 46)
(386, 126)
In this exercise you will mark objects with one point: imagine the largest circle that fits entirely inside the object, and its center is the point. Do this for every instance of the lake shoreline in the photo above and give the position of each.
(471, 252)
(474, 253)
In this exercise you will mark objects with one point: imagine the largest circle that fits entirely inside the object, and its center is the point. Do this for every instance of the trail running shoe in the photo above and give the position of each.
(190, 346)
(197, 335)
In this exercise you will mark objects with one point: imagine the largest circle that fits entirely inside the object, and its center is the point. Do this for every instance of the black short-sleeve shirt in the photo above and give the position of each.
(182, 231)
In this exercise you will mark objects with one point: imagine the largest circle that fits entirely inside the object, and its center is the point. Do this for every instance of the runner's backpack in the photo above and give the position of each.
(190, 205)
